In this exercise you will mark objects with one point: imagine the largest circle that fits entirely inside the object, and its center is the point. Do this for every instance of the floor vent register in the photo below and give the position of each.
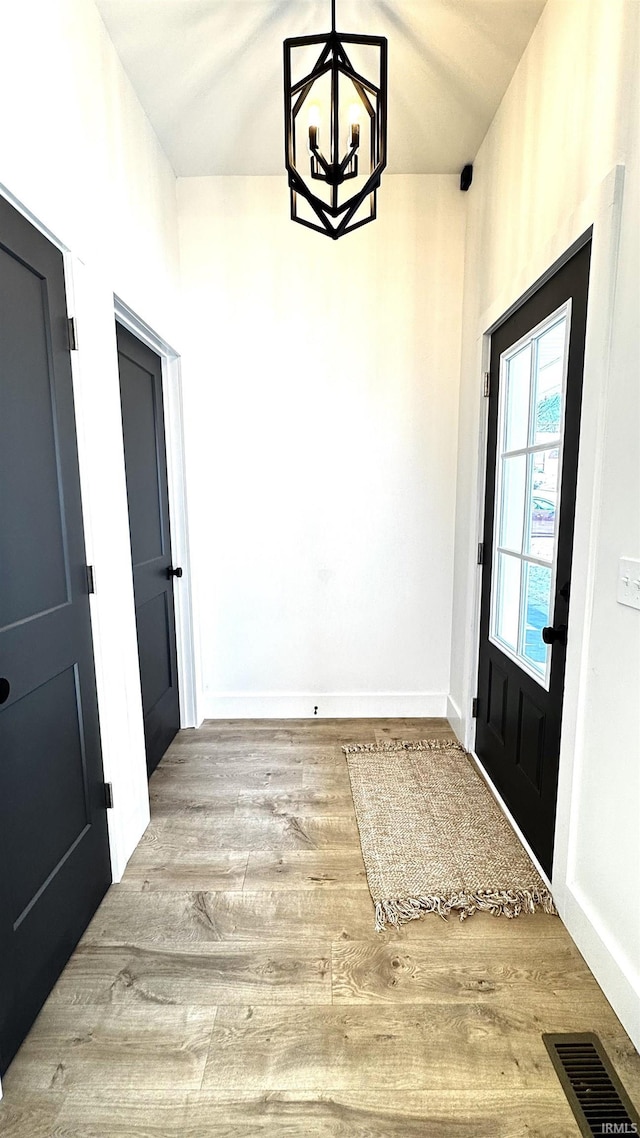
(594, 1092)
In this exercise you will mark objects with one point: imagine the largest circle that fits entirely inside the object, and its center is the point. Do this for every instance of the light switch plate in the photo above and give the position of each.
(629, 582)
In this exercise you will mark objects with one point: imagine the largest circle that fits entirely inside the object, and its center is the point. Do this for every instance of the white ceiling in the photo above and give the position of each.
(209, 73)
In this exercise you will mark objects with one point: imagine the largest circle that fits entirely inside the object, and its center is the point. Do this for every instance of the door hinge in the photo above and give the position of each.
(486, 384)
(480, 553)
(474, 708)
(72, 327)
(91, 579)
(108, 795)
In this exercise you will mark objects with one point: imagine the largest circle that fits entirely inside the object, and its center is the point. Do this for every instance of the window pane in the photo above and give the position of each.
(514, 484)
(537, 615)
(541, 523)
(548, 383)
(507, 609)
(518, 378)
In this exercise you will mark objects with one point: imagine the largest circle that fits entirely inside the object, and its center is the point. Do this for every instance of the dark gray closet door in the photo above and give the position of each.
(54, 853)
(153, 575)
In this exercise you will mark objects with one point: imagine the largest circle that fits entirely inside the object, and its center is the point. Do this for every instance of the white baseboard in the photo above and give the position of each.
(330, 705)
(123, 840)
(618, 977)
(456, 722)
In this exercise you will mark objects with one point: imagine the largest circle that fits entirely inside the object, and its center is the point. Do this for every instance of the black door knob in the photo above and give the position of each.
(557, 635)
(5, 688)
(174, 572)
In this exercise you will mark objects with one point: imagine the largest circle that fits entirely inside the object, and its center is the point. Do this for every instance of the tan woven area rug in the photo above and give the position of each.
(433, 837)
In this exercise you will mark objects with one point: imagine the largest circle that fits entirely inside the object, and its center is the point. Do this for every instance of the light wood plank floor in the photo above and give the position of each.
(233, 984)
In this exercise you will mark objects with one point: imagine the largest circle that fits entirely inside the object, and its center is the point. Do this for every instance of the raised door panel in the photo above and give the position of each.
(54, 853)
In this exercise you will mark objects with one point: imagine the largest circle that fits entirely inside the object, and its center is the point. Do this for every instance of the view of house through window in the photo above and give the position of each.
(528, 473)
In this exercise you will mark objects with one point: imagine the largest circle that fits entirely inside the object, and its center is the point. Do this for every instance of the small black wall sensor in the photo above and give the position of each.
(466, 177)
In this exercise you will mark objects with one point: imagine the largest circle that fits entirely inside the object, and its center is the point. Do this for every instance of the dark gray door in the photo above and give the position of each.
(54, 854)
(153, 573)
(537, 358)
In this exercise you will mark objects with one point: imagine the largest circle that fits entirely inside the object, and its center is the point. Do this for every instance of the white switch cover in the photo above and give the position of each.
(629, 583)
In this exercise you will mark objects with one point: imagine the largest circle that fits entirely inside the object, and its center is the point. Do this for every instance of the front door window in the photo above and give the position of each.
(528, 471)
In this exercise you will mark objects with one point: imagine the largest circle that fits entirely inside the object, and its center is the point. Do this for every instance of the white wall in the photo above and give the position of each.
(541, 178)
(321, 415)
(77, 152)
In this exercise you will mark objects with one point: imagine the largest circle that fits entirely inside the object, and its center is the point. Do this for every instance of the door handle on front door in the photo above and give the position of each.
(557, 635)
(171, 572)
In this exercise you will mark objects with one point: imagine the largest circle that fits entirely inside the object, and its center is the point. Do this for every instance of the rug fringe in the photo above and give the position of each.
(405, 745)
(504, 903)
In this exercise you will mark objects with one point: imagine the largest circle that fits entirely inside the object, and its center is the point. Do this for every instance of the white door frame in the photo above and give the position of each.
(601, 211)
(115, 654)
(550, 272)
(176, 475)
(598, 217)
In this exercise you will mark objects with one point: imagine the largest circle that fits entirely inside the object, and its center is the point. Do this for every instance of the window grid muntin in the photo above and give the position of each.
(533, 337)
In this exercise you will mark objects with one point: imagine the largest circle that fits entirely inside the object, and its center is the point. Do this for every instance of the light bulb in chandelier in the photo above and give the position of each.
(314, 127)
(355, 111)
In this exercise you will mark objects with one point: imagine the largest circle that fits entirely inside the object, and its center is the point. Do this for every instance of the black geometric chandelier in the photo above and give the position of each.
(335, 128)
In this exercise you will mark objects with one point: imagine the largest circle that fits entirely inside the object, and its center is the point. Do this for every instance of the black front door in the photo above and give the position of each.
(153, 573)
(537, 358)
(54, 853)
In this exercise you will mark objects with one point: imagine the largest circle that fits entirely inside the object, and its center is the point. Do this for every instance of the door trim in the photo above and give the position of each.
(490, 322)
(601, 209)
(176, 475)
(119, 718)
(599, 219)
